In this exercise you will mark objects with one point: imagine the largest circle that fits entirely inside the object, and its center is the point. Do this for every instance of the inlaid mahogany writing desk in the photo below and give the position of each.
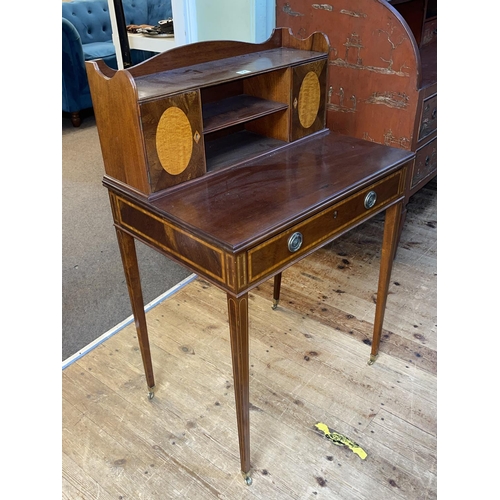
(252, 181)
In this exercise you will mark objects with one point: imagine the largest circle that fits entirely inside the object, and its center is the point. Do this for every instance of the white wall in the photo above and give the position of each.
(243, 20)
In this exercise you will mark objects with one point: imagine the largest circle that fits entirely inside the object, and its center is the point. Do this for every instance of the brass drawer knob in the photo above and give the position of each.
(295, 241)
(370, 199)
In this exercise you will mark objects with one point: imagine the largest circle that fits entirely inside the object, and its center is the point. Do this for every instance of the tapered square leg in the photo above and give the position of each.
(389, 244)
(131, 269)
(276, 290)
(238, 329)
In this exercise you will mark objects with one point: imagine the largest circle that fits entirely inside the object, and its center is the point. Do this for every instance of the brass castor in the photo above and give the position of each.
(151, 393)
(373, 358)
(247, 478)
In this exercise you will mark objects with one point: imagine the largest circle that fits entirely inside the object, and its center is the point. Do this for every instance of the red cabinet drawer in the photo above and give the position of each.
(425, 162)
(428, 121)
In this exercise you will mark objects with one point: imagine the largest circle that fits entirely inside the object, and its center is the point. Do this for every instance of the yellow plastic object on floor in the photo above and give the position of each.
(341, 440)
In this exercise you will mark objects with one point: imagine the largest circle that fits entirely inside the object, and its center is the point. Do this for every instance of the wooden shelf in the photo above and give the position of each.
(237, 109)
(238, 148)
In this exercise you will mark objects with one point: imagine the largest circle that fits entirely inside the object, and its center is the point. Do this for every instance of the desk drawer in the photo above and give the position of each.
(206, 259)
(425, 162)
(428, 122)
(314, 232)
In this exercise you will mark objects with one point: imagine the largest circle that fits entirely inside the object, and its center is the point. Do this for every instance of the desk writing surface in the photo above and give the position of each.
(240, 206)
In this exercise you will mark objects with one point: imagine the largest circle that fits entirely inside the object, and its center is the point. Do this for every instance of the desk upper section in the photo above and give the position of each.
(198, 108)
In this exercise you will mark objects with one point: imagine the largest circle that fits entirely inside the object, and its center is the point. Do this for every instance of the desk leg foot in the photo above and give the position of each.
(151, 392)
(276, 291)
(238, 329)
(247, 478)
(373, 358)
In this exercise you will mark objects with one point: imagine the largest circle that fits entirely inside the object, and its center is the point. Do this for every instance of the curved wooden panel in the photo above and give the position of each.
(213, 50)
(115, 114)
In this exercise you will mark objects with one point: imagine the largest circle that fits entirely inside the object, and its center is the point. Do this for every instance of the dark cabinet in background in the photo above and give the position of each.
(382, 79)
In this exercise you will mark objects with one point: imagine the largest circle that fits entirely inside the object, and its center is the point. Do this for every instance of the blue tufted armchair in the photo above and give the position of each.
(86, 35)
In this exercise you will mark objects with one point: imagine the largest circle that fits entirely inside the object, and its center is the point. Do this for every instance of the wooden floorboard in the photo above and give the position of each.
(308, 364)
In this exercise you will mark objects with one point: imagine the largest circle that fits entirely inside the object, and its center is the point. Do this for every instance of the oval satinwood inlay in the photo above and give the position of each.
(309, 97)
(174, 140)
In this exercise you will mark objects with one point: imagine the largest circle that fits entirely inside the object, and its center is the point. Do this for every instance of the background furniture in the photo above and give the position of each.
(75, 85)
(383, 74)
(87, 35)
(124, 41)
(171, 132)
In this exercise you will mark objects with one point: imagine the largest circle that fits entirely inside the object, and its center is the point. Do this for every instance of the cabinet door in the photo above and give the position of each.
(173, 136)
(308, 98)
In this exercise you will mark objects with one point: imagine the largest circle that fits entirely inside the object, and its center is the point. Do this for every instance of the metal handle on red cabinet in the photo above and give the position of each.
(370, 199)
(295, 241)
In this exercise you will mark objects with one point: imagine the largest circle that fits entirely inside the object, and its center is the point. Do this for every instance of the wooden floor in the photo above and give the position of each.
(308, 364)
